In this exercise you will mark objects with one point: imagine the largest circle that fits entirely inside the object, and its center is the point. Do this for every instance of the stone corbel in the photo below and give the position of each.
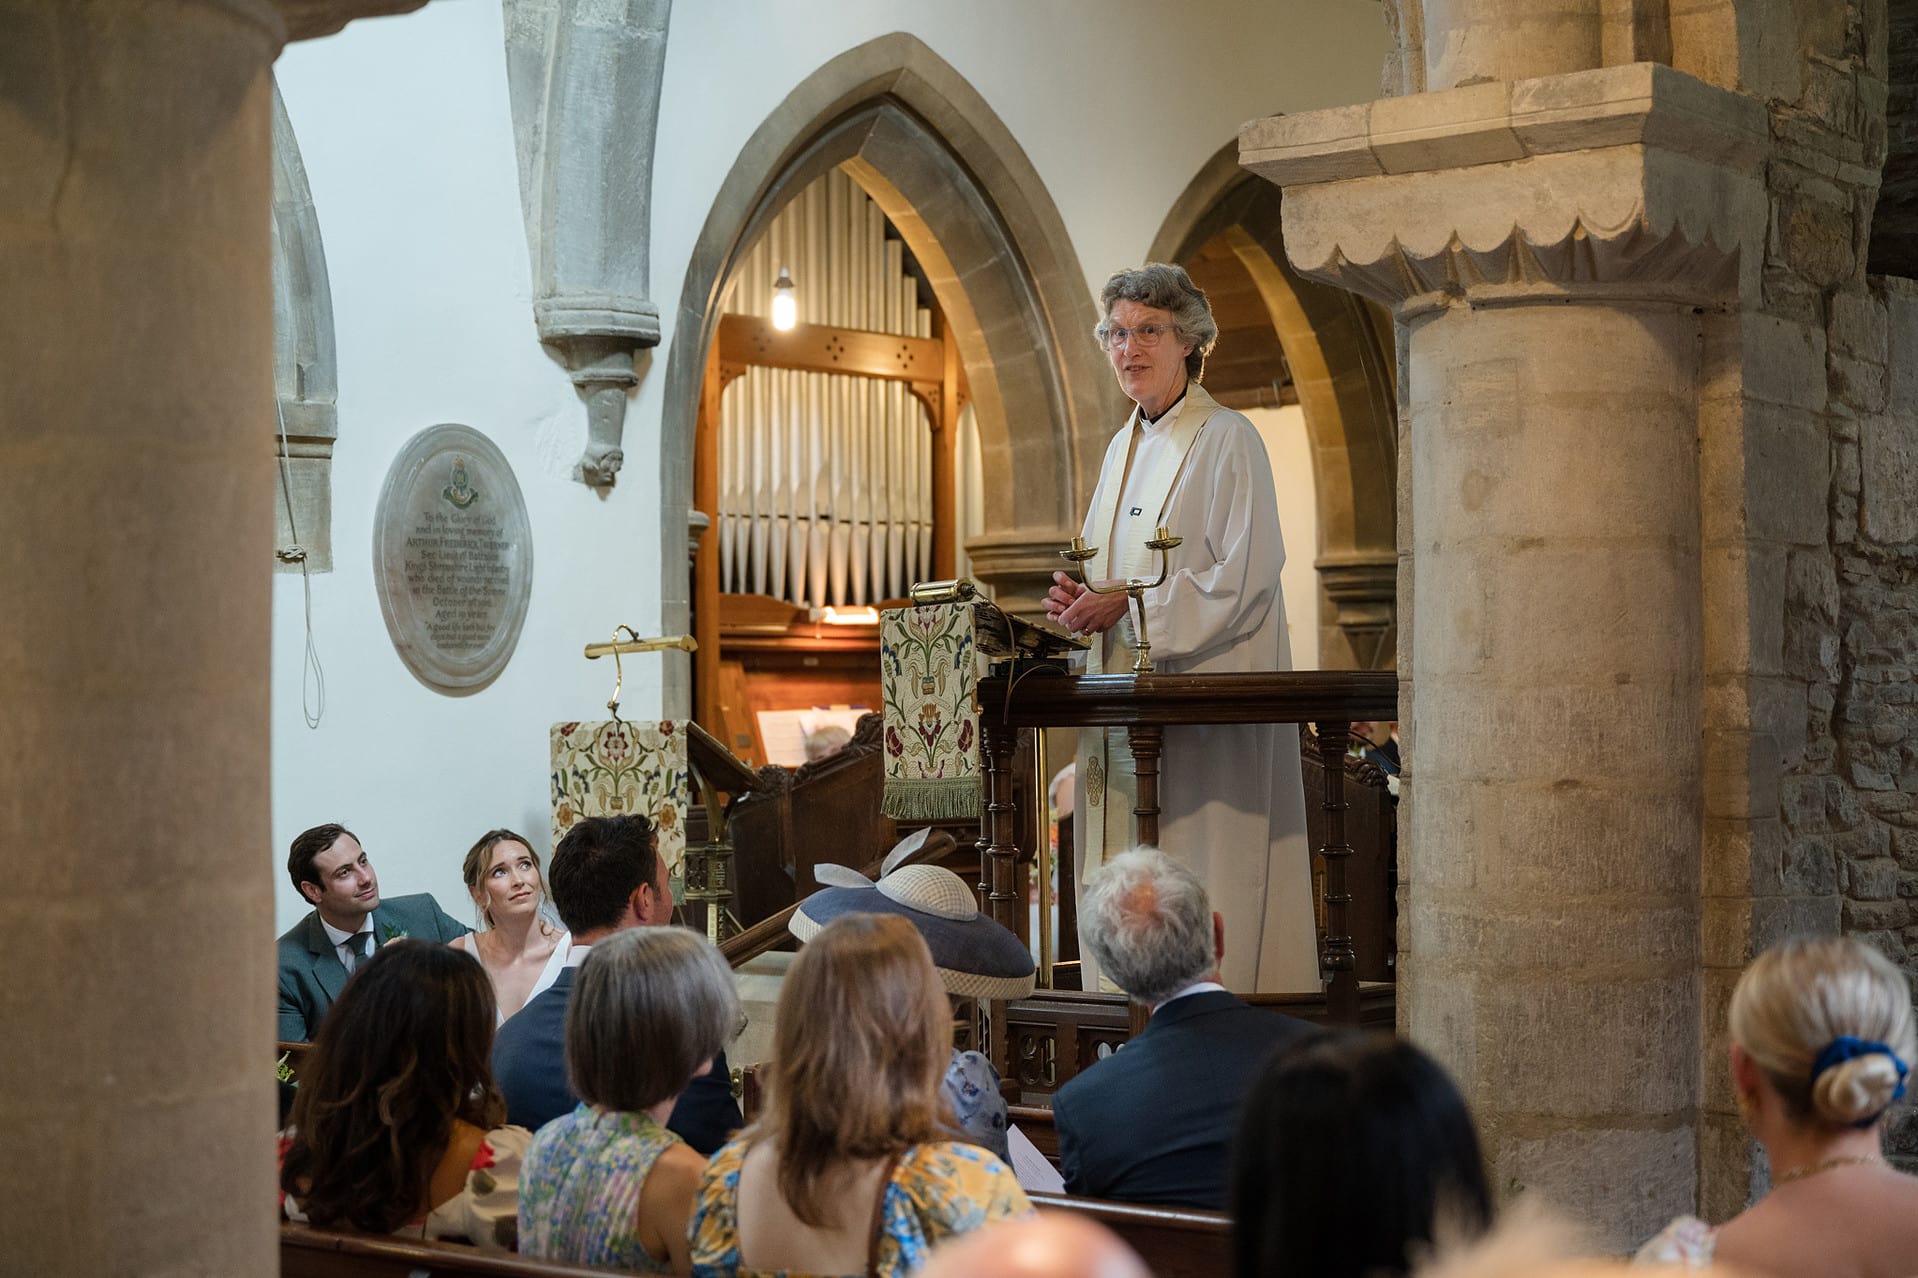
(584, 80)
(602, 370)
(1629, 181)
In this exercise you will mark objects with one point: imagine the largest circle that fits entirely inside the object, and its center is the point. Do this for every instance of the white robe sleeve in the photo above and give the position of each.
(1225, 577)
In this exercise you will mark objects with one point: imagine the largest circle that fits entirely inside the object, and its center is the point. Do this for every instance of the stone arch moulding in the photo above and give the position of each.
(1339, 348)
(957, 185)
(305, 366)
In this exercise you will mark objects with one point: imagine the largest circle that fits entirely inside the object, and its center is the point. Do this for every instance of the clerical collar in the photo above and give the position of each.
(1170, 409)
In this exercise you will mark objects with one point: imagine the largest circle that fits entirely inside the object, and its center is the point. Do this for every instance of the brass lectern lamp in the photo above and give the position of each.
(1132, 586)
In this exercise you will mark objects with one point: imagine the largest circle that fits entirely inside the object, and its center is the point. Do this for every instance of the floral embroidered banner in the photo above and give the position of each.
(617, 768)
(928, 666)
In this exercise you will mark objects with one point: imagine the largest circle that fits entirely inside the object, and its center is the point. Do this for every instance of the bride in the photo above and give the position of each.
(519, 944)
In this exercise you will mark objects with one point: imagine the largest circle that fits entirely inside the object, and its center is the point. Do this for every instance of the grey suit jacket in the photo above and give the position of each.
(311, 974)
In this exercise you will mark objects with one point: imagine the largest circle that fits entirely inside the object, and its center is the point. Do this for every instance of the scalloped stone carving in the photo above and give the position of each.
(1634, 180)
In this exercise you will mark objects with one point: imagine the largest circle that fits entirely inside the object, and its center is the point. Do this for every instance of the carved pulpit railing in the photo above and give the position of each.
(1145, 705)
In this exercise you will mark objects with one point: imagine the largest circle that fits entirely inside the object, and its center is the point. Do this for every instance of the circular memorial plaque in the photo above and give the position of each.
(453, 558)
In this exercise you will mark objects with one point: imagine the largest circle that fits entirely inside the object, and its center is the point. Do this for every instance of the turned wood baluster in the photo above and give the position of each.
(1342, 995)
(998, 741)
(1146, 740)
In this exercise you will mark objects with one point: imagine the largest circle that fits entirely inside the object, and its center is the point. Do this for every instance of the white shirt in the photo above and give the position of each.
(1197, 987)
(355, 952)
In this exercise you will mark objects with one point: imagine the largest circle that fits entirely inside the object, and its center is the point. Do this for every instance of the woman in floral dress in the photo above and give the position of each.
(608, 1185)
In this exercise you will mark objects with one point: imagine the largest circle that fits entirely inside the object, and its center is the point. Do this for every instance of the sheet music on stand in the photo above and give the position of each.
(784, 732)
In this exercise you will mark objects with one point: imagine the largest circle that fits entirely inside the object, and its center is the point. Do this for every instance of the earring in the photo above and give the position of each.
(1747, 1107)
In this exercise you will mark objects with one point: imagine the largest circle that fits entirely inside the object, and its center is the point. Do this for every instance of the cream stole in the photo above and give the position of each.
(1106, 771)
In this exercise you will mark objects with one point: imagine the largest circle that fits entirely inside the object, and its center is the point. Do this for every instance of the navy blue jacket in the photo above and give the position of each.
(1153, 1122)
(529, 1064)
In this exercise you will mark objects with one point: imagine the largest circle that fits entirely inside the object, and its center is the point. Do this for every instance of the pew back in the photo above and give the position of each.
(1052, 1035)
(1174, 1242)
(320, 1253)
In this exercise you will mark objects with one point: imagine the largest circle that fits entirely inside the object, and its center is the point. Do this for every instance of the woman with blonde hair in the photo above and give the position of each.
(519, 943)
(1822, 1042)
(848, 1171)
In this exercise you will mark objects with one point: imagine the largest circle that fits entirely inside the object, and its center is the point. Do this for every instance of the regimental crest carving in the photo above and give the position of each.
(1095, 782)
(460, 494)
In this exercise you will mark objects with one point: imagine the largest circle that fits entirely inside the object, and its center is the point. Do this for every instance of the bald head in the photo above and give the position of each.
(1053, 1244)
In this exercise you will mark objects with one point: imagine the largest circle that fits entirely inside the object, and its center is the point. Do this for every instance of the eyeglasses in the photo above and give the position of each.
(1111, 336)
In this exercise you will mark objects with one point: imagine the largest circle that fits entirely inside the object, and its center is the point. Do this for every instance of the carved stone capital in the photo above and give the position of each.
(1629, 181)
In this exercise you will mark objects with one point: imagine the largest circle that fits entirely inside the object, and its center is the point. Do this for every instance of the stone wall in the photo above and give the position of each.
(1849, 803)
(1850, 809)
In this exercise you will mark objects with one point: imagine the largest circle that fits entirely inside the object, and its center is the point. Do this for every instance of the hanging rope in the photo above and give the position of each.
(312, 676)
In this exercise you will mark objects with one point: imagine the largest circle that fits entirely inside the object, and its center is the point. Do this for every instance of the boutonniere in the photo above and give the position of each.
(391, 932)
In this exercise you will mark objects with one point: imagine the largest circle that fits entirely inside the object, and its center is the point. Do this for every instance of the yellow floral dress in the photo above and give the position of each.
(937, 1191)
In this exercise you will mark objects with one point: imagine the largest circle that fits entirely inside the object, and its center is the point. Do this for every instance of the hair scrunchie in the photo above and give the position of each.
(1847, 1047)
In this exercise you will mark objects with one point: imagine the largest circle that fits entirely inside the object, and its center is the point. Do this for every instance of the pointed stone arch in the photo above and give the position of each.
(305, 364)
(954, 181)
(1339, 349)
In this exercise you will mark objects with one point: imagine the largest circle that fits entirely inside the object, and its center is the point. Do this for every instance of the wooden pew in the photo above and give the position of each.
(1174, 1242)
(1051, 1035)
(825, 811)
(319, 1253)
(1036, 1122)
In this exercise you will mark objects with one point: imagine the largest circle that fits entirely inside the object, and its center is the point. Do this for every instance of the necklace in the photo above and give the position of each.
(1799, 1173)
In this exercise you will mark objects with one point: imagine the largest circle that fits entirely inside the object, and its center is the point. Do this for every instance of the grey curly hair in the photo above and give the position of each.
(1169, 288)
(1148, 924)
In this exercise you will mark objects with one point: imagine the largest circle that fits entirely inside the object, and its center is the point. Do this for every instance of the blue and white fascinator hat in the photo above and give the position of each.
(976, 957)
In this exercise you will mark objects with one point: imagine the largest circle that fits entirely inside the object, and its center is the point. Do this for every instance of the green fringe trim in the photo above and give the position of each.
(935, 799)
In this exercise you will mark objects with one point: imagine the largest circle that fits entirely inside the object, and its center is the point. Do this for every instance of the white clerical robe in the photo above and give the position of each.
(1231, 800)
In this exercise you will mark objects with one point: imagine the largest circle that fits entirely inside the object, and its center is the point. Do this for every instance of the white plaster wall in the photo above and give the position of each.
(405, 130)
(1290, 448)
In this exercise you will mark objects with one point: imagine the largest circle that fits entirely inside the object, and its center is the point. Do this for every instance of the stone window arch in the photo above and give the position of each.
(305, 365)
(949, 175)
(1339, 349)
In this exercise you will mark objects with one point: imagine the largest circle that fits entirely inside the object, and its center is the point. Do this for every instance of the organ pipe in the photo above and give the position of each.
(825, 485)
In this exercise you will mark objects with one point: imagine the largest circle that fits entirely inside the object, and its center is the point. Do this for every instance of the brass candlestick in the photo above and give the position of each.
(1132, 587)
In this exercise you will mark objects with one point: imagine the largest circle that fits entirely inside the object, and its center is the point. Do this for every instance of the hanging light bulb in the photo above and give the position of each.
(785, 306)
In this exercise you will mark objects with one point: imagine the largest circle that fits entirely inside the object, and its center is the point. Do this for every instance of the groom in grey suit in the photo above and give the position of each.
(349, 921)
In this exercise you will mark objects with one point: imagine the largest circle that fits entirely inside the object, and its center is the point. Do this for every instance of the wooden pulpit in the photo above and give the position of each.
(1145, 705)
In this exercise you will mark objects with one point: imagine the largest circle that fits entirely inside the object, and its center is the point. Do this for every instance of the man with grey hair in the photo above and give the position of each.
(1153, 1122)
(1232, 805)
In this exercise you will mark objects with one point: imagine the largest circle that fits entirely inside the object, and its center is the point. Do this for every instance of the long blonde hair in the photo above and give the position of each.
(863, 1039)
(1800, 996)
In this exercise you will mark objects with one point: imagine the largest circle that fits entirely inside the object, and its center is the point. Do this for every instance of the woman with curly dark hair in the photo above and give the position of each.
(396, 1128)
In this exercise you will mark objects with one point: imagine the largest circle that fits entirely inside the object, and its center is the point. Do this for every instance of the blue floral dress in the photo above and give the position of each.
(579, 1189)
(972, 1088)
(938, 1191)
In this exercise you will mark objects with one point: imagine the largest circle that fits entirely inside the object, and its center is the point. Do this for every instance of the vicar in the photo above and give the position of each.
(1231, 803)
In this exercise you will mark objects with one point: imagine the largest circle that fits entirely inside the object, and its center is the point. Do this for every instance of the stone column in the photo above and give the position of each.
(1550, 248)
(136, 537)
